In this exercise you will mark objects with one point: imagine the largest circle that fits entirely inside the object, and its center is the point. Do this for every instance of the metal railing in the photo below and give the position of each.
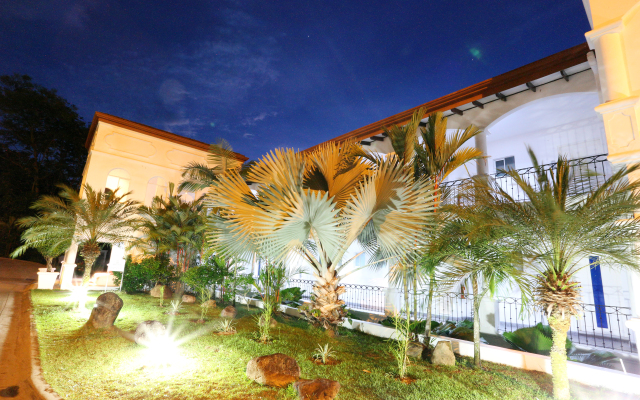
(588, 173)
(597, 326)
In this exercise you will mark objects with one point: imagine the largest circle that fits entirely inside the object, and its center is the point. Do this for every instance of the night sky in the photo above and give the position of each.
(266, 74)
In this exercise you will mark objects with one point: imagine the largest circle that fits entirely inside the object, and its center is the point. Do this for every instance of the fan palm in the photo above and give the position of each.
(557, 228)
(98, 217)
(315, 205)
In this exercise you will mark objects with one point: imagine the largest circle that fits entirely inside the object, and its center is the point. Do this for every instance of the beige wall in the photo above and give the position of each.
(143, 157)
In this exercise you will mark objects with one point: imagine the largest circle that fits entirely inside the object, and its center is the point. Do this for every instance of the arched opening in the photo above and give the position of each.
(118, 179)
(157, 186)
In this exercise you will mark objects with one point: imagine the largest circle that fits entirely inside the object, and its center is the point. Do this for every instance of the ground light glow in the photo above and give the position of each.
(78, 296)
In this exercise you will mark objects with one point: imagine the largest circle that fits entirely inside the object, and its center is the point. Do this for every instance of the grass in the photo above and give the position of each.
(83, 364)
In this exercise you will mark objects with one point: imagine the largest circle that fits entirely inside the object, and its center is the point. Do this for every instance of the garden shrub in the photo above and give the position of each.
(536, 339)
(292, 295)
(140, 276)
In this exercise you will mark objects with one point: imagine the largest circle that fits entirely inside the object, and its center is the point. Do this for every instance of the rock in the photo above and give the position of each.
(277, 370)
(443, 355)
(187, 298)
(106, 310)
(229, 312)
(416, 349)
(209, 304)
(155, 292)
(272, 324)
(317, 389)
(148, 331)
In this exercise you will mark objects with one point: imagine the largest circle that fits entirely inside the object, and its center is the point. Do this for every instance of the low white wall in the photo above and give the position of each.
(578, 372)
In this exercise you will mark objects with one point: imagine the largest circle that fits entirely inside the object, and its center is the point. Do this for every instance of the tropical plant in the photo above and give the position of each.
(292, 295)
(37, 235)
(145, 273)
(172, 226)
(400, 343)
(224, 325)
(97, 217)
(203, 278)
(557, 228)
(463, 329)
(220, 160)
(233, 280)
(323, 353)
(428, 152)
(480, 256)
(175, 306)
(536, 339)
(269, 284)
(315, 205)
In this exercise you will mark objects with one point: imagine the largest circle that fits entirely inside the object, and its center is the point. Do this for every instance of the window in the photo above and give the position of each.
(118, 179)
(505, 164)
(155, 187)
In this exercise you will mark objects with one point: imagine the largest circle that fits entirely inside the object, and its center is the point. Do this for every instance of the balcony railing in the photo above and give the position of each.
(588, 173)
(601, 327)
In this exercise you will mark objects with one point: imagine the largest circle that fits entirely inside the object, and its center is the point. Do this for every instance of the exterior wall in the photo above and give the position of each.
(137, 156)
(143, 157)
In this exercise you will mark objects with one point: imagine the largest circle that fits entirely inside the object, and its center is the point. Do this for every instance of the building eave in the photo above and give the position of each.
(147, 130)
(519, 76)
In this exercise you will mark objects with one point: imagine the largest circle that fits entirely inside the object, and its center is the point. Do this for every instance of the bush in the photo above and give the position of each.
(292, 295)
(536, 339)
(140, 276)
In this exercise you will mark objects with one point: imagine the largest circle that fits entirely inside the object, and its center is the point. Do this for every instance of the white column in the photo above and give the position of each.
(117, 259)
(68, 266)
(481, 144)
(610, 56)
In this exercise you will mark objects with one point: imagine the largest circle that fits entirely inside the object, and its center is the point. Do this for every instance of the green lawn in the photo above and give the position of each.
(83, 364)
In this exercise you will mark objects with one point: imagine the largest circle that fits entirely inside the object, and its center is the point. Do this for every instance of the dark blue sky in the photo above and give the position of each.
(264, 74)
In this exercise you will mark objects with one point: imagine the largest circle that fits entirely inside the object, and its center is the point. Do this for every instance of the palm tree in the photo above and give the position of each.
(557, 228)
(315, 205)
(221, 159)
(98, 217)
(38, 235)
(435, 157)
(481, 257)
(172, 225)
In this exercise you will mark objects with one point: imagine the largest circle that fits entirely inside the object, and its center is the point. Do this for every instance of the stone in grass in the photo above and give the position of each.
(209, 304)
(148, 331)
(106, 310)
(416, 349)
(155, 292)
(187, 298)
(272, 324)
(229, 312)
(317, 389)
(443, 354)
(276, 370)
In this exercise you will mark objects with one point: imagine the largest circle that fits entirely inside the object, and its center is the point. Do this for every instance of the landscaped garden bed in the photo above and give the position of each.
(82, 363)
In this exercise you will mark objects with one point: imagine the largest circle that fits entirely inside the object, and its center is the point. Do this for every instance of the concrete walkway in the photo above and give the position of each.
(16, 278)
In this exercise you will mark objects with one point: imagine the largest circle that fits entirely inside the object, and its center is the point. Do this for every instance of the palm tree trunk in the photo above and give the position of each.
(415, 291)
(90, 253)
(476, 323)
(49, 264)
(326, 292)
(427, 329)
(559, 325)
(405, 285)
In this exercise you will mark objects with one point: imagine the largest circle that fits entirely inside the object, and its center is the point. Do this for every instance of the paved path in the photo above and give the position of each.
(15, 340)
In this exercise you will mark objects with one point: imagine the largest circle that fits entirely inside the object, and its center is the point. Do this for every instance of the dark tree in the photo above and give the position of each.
(41, 144)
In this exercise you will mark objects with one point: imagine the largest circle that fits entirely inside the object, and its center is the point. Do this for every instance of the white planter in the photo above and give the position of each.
(46, 280)
(42, 269)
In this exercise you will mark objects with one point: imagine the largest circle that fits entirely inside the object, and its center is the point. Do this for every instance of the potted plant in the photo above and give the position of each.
(48, 246)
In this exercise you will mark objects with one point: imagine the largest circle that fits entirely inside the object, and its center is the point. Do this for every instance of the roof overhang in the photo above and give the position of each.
(147, 130)
(491, 87)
